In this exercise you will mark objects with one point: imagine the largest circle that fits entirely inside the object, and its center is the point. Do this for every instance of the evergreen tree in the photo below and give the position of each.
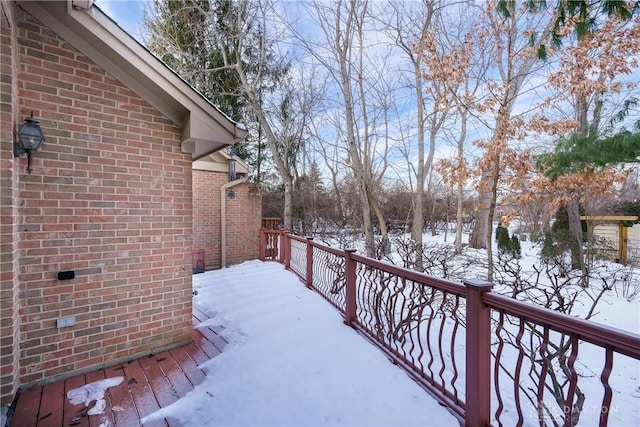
(516, 248)
(549, 249)
(581, 156)
(500, 231)
(560, 239)
(506, 244)
(180, 34)
(502, 237)
(199, 39)
(581, 13)
(578, 154)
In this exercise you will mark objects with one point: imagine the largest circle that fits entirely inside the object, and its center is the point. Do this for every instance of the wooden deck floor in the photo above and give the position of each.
(149, 383)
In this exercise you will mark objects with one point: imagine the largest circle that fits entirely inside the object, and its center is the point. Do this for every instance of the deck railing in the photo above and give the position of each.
(489, 358)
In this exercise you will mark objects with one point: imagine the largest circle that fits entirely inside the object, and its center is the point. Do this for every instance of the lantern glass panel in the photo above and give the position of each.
(30, 135)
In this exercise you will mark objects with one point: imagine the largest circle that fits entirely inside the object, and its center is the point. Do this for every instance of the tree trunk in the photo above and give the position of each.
(490, 220)
(478, 237)
(418, 210)
(382, 223)
(575, 227)
(418, 221)
(459, 218)
(281, 164)
(367, 224)
(461, 174)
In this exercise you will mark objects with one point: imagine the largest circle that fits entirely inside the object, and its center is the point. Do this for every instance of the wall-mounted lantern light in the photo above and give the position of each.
(29, 139)
(232, 164)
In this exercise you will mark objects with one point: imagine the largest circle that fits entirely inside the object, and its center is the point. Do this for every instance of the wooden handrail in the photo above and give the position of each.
(622, 342)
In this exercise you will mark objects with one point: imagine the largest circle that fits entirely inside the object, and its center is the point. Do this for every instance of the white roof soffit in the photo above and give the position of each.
(205, 129)
(219, 162)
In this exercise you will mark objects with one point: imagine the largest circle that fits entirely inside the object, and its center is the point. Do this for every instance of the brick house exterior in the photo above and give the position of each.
(110, 196)
(232, 237)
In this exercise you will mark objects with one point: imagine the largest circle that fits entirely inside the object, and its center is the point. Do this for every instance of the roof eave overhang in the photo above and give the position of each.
(219, 162)
(204, 128)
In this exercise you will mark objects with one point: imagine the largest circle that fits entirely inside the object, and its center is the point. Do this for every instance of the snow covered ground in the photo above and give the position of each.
(293, 362)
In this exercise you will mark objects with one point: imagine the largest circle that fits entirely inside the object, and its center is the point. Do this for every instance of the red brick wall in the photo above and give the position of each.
(110, 198)
(206, 214)
(243, 215)
(9, 254)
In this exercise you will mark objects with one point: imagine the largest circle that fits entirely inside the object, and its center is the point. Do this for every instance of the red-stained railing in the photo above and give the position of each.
(490, 359)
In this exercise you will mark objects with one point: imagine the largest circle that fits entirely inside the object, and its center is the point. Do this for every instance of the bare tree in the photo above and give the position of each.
(401, 24)
(345, 53)
(329, 154)
(454, 56)
(249, 13)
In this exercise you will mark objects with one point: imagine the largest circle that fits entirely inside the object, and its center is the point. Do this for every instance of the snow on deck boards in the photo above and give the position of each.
(150, 383)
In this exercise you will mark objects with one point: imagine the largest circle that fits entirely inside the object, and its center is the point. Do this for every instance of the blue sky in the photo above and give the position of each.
(127, 13)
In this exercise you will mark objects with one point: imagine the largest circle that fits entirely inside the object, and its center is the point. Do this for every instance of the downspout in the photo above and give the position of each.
(223, 219)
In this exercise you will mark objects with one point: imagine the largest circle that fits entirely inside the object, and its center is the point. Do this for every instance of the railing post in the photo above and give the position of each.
(281, 243)
(478, 356)
(309, 277)
(287, 250)
(350, 287)
(263, 244)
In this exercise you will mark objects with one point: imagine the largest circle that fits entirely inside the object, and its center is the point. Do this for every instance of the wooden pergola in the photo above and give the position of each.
(623, 222)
